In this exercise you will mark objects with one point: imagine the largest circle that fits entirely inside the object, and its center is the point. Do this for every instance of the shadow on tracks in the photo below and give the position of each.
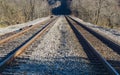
(71, 65)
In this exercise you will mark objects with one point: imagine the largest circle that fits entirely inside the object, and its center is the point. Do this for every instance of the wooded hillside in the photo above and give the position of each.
(100, 12)
(19, 11)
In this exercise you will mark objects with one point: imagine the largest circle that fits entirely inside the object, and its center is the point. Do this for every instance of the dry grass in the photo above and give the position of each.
(3, 26)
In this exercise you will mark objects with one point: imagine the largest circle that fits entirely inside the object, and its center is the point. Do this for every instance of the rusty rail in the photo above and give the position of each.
(19, 33)
(12, 55)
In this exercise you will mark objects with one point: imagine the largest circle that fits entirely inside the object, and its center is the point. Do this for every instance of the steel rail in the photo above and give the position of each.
(20, 49)
(110, 43)
(103, 60)
(19, 33)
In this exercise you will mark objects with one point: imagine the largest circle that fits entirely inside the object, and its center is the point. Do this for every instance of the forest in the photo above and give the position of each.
(20, 11)
(101, 12)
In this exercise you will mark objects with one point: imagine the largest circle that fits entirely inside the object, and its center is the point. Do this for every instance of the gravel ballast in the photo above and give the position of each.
(57, 53)
(110, 55)
(11, 45)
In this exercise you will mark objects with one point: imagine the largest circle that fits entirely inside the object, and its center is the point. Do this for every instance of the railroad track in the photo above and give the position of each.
(10, 43)
(20, 44)
(95, 48)
(12, 35)
(15, 37)
(100, 65)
